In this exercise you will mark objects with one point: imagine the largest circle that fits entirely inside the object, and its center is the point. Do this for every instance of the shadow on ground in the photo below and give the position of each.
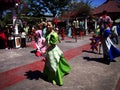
(91, 52)
(70, 41)
(94, 59)
(101, 60)
(31, 75)
(33, 51)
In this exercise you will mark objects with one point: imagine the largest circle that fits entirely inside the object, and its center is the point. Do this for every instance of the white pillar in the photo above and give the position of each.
(16, 29)
(95, 24)
(86, 27)
(14, 15)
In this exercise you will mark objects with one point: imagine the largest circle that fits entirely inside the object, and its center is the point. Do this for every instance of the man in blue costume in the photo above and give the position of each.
(109, 49)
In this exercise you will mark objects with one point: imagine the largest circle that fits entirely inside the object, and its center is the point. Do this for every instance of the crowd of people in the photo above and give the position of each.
(46, 36)
(73, 28)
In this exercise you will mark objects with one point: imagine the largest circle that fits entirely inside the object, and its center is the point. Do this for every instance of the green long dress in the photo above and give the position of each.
(56, 65)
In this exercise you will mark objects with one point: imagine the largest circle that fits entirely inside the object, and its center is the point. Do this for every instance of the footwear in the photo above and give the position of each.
(107, 61)
(43, 60)
(53, 82)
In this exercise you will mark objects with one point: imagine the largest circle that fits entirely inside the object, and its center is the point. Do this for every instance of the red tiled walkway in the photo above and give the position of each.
(15, 75)
(118, 85)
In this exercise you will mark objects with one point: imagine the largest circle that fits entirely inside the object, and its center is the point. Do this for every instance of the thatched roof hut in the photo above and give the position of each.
(111, 6)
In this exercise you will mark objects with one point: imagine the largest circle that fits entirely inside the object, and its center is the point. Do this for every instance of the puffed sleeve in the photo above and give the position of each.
(53, 38)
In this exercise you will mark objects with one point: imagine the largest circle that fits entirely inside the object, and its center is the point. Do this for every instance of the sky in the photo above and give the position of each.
(96, 3)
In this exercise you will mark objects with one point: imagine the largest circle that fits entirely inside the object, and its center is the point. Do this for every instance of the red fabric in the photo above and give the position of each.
(80, 33)
(104, 16)
(73, 33)
(63, 34)
(38, 54)
(3, 37)
(56, 21)
(34, 45)
(43, 59)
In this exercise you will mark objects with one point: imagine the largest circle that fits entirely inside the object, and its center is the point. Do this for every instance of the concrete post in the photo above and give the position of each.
(86, 27)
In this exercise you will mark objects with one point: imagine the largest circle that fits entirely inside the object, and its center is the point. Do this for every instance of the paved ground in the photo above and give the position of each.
(22, 70)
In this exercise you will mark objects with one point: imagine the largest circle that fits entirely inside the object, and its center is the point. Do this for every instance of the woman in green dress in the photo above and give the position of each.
(56, 65)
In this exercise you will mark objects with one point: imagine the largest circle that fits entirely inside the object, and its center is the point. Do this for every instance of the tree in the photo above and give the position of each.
(85, 9)
(34, 8)
(56, 7)
(51, 7)
(81, 9)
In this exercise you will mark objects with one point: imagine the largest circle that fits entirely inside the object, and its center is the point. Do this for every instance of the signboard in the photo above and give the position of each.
(17, 42)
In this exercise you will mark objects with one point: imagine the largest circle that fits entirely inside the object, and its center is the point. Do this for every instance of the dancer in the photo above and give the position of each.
(39, 43)
(56, 65)
(95, 42)
(109, 49)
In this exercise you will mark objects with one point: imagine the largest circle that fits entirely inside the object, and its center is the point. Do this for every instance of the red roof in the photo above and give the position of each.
(69, 14)
(110, 6)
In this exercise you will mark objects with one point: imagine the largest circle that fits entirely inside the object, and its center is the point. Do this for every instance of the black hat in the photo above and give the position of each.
(104, 12)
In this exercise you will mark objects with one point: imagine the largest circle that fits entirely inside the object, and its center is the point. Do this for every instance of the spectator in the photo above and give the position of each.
(76, 28)
(3, 38)
(114, 34)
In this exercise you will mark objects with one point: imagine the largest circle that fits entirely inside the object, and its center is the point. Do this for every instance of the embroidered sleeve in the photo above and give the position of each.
(53, 39)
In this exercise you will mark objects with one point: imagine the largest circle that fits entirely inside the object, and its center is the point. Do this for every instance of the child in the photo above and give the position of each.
(95, 42)
(39, 44)
(63, 33)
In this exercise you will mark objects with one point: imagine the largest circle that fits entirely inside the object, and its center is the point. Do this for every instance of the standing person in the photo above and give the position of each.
(104, 21)
(69, 30)
(76, 28)
(56, 65)
(3, 38)
(109, 50)
(97, 31)
(63, 33)
(57, 31)
(32, 33)
(44, 29)
(81, 28)
(26, 30)
(114, 34)
(118, 31)
(23, 39)
(10, 41)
